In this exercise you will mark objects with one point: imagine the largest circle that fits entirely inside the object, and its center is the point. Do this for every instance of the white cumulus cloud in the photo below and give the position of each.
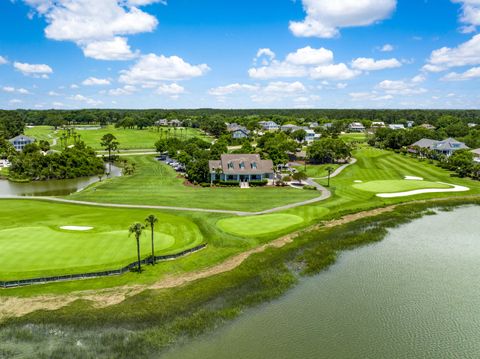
(94, 81)
(3, 60)
(325, 17)
(467, 53)
(338, 72)
(473, 73)
(99, 27)
(34, 70)
(369, 64)
(152, 69)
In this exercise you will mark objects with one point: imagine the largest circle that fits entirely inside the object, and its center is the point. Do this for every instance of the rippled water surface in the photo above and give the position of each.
(416, 294)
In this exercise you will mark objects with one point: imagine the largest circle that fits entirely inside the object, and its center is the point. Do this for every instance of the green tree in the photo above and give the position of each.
(137, 229)
(150, 221)
(110, 143)
(299, 176)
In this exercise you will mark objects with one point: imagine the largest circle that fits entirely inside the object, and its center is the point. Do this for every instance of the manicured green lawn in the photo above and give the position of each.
(393, 186)
(128, 138)
(32, 243)
(317, 171)
(156, 183)
(259, 225)
(357, 137)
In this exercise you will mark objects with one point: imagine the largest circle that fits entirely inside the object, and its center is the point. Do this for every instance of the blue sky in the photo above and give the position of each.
(239, 54)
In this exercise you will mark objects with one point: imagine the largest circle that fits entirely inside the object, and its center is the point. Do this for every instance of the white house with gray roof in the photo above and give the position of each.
(241, 168)
(21, 141)
(446, 147)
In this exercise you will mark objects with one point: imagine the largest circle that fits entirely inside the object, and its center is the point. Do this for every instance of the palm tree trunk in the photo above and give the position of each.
(138, 254)
(153, 247)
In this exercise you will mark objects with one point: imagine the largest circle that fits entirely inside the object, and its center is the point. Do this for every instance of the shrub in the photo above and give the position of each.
(311, 188)
(229, 183)
(258, 183)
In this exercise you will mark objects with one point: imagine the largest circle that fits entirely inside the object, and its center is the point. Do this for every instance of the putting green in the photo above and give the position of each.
(33, 244)
(393, 186)
(258, 225)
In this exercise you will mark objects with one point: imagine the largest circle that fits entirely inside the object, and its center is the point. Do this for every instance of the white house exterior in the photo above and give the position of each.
(396, 126)
(241, 168)
(476, 154)
(446, 147)
(356, 127)
(21, 141)
(269, 125)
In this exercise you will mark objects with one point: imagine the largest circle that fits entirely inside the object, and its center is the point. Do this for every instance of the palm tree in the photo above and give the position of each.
(151, 220)
(137, 229)
(329, 169)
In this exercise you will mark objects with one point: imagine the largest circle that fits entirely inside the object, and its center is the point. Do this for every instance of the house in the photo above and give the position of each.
(269, 125)
(314, 125)
(428, 126)
(410, 124)
(238, 132)
(241, 168)
(356, 127)
(311, 136)
(476, 155)
(395, 127)
(290, 128)
(162, 122)
(327, 125)
(21, 141)
(378, 124)
(446, 147)
(472, 125)
(175, 123)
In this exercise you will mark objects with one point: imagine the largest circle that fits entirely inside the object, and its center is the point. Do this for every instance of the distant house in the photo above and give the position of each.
(290, 128)
(396, 126)
(175, 123)
(162, 122)
(21, 141)
(476, 154)
(446, 147)
(238, 132)
(410, 124)
(356, 127)
(241, 168)
(378, 124)
(472, 125)
(269, 125)
(327, 125)
(427, 126)
(311, 136)
(314, 125)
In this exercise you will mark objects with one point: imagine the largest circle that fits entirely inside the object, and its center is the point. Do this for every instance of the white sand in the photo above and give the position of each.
(76, 228)
(454, 188)
(358, 181)
(413, 178)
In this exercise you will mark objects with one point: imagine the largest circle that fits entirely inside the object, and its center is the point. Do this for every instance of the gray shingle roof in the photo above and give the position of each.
(242, 164)
(446, 145)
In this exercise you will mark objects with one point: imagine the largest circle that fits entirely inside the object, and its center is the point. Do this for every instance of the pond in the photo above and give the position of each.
(52, 187)
(416, 294)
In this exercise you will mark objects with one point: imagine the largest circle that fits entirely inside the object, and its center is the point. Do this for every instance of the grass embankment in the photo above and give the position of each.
(154, 320)
(128, 138)
(33, 244)
(316, 171)
(156, 183)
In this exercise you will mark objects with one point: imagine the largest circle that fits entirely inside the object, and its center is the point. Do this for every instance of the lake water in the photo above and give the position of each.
(52, 187)
(416, 294)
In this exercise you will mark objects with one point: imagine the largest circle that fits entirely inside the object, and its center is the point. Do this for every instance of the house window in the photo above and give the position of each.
(242, 165)
(230, 165)
(254, 165)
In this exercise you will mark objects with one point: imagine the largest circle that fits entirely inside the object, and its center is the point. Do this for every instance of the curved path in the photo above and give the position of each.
(325, 195)
(339, 169)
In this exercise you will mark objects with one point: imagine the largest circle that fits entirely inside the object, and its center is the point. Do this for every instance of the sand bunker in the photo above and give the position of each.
(358, 181)
(413, 178)
(76, 228)
(454, 188)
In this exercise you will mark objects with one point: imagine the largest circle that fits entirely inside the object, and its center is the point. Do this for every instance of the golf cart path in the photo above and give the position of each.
(325, 195)
(339, 169)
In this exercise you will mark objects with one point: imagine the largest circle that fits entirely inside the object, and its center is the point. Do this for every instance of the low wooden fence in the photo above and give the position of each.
(43, 280)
